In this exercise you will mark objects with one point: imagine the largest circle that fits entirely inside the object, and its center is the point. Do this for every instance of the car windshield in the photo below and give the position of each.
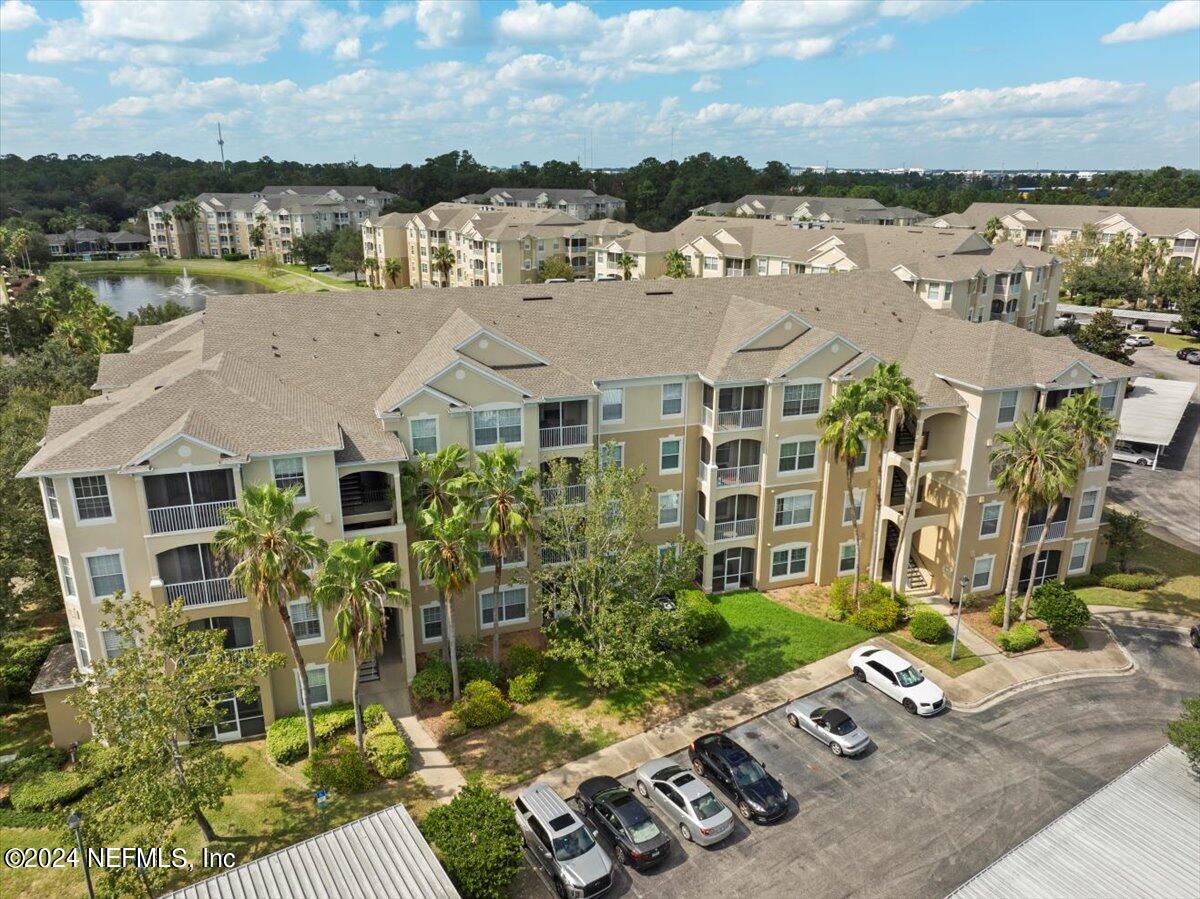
(706, 806)
(909, 677)
(748, 772)
(573, 844)
(840, 724)
(643, 830)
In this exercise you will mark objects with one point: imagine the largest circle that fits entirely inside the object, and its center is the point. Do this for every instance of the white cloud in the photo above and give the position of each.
(447, 23)
(395, 13)
(1176, 16)
(1185, 98)
(347, 48)
(17, 14)
(33, 92)
(706, 84)
(537, 70)
(544, 23)
(145, 79)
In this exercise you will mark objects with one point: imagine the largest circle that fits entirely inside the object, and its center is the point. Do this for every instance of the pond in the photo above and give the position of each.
(128, 293)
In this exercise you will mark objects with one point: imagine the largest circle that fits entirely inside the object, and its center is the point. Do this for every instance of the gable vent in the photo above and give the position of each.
(537, 298)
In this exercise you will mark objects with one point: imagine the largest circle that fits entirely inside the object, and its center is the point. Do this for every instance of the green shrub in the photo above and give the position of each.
(98, 762)
(928, 626)
(1133, 582)
(433, 683)
(523, 688)
(879, 617)
(1083, 580)
(996, 612)
(35, 761)
(10, 817)
(374, 715)
(287, 740)
(477, 668)
(477, 841)
(1019, 638)
(234, 257)
(339, 767)
(48, 790)
(702, 621)
(841, 599)
(387, 750)
(870, 594)
(481, 705)
(22, 660)
(522, 658)
(1059, 607)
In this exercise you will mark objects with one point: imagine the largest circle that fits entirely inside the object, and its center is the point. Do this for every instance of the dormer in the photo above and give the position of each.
(776, 335)
(496, 351)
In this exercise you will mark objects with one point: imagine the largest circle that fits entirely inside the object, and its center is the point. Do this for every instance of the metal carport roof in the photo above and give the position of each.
(1152, 410)
(1139, 836)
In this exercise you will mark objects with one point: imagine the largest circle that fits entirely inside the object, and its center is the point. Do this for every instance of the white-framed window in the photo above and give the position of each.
(514, 605)
(1089, 504)
(847, 558)
(762, 266)
(801, 400)
(527, 264)
(1007, 412)
(981, 574)
(114, 644)
(1108, 396)
(936, 291)
(711, 264)
(494, 426)
(989, 519)
(306, 621)
(67, 576)
(793, 510)
(797, 455)
(672, 399)
(318, 686)
(431, 622)
(669, 453)
(789, 561)
(50, 495)
(612, 454)
(864, 456)
(92, 501)
(83, 655)
(424, 434)
(289, 472)
(848, 512)
(612, 404)
(1079, 556)
(668, 508)
(106, 574)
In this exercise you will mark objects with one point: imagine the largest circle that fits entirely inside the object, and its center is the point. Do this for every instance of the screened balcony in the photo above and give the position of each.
(737, 517)
(572, 492)
(563, 424)
(193, 574)
(736, 462)
(1057, 527)
(367, 500)
(736, 407)
(188, 501)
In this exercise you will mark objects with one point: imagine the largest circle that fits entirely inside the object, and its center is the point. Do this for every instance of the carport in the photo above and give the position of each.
(1152, 411)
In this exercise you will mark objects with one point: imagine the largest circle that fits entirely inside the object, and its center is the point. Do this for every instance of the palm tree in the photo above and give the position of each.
(993, 227)
(1033, 452)
(269, 538)
(393, 268)
(449, 556)
(849, 423)
(258, 233)
(371, 267)
(442, 260)
(626, 263)
(893, 392)
(357, 587)
(507, 499)
(677, 264)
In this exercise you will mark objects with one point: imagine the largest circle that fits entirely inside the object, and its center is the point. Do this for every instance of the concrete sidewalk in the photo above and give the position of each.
(429, 763)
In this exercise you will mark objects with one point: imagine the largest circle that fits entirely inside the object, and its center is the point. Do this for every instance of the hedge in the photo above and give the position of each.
(433, 683)
(1083, 580)
(481, 705)
(374, 715)
(879, 616)
(1133, 582)
(287, 739)
(522, 658)
(48, 790)
(387, 750)
(928, 626)
(339, 767)
(36, 761)
(524, 687)
(1019, 638)
(876, 610)
(478, 668)
(996, 612)
(477, 840)
(1059, 607)
(22, 660)
(10, 817)
(702, 621)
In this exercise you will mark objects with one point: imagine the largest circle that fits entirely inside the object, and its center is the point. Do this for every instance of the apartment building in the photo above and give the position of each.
(1045, 226)
(170, 237)
(580, 204)
(952, 269)
(86, 242)
(713, 386)
(801, 210)
(386, 237)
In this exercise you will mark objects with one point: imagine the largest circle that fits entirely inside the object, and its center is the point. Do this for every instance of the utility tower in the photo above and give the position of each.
(221, 145)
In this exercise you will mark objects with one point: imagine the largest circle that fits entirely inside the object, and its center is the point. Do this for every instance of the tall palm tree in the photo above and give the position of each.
(269, 538)
(393, 268)
(848, 425)
(677, 264)
(436, 479)
(1033, 452)
(442, 260)
(626, 263)
(357, 587)
(449, 556)
(896, 398)
(371, 267)
(506, 498)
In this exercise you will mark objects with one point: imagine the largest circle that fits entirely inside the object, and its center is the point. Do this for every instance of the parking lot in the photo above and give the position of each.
(934, 800)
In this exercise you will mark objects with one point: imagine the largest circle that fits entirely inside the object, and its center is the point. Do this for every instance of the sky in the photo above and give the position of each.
(879, 83)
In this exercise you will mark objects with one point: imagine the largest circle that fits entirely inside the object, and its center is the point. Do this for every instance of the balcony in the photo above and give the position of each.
(1033, 533)
(738, 419)
(367, 500)
(565, 435)
(735, 529)
(204, 592)
(701, 525)
(569, 495)
(730, 476)
(190, 517)
(562, 424)
(188, 501)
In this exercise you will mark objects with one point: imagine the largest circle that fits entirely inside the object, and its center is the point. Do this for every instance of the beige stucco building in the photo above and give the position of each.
(385, 237)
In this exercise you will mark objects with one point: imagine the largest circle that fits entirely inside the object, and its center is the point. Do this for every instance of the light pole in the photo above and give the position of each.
(74, 821)
(963, 583)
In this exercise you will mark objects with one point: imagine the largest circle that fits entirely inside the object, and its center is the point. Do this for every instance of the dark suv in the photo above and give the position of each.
(759, 796)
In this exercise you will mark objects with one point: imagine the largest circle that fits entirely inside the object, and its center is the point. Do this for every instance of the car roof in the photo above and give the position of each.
(889, 659)
(549, 808)
(726, 748)
(835, 716)
(602, 783)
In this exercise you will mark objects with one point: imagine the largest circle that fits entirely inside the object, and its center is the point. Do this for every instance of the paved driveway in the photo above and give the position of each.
(937, 799)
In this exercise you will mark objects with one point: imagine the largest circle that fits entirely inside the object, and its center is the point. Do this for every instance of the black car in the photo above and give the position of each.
(759, 796)
(1187, 354)
(619, 814)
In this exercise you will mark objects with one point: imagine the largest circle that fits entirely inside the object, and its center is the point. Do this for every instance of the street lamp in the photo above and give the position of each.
(963, 583)
(74, 821)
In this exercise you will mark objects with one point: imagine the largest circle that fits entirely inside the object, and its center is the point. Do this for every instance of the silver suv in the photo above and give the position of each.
(562, 844)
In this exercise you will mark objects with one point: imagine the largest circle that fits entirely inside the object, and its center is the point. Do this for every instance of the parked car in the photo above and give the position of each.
(1186, 352)
(1064, 321)
(1138, 340)
(1128, 452)
(1137, 326)
(743, 778)
(323, 267)
(686, 801)
(615, 811)
(831, 726)
(555, 281)
(584, 278)
(608, 277)
(562, 845)
(895, 677)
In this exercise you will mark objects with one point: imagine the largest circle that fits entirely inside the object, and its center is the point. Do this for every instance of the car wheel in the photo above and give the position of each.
(622, 856)
(698, 767)
(641, 787)
(910, 707)
(744, 810)
(1143, 462)
(560, 889)
(860, 676)
(835, 748)
(793, 721)
(685, 833)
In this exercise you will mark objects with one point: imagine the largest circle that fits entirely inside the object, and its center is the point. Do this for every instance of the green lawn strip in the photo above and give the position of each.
(1172, 341)
(24, 729)
(938, 654)
(1180, 594)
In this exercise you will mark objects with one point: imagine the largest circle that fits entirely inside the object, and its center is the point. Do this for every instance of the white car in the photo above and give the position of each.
(686, 800)
(323, 267)
(1125, 452)
(1138, 340)
(895, 677)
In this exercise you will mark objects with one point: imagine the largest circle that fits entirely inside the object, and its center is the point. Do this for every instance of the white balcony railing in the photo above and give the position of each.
(1058, 530)
(204, 593)
(701, 524)
(740, 474)
(572, 493)
(736, 419)
(708, 417)
(731, 530)
(191, 517)
(567, 435)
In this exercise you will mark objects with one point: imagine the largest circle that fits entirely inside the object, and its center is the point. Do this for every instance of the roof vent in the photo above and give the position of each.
(537, 298)
(659, 293)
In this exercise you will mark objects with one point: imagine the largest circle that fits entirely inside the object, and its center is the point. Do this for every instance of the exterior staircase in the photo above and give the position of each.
(368, 671)
(916, 584)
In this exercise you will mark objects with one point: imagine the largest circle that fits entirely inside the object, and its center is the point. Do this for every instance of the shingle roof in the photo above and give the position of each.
(56, 671)
(1156, 221)
(849, 209)
(554, 195)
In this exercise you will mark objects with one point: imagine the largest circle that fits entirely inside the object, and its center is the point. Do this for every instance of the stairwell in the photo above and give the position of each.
(916, 584)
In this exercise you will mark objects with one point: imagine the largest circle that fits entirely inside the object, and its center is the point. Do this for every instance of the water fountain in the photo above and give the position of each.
(187, 290)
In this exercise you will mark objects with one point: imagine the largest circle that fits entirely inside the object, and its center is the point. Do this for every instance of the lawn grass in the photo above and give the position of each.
(24, 729)
(1172, 341)
(1180, 594)
(938, 654)
(282, 279)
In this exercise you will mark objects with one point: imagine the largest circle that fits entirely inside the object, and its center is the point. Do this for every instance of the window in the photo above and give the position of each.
(68, 578)
(106, 574)
(710, 264)
(1108, 396)
(494, 426)
(668, 455)
(91, 498)
(785, 268)
(424, 433)
(848, 512)
(981, 575)
(797, 455)
(114, 644)
(306, 620)
(431, 623)
(514, 604)
(82, 655)
(672, 399)
(793, 510)
(318, 686)
(668, 508)
(801, 399)
(936, 291)
(612, 454)
(289, 472)
(847, 558)
(989, 520)
(53, 512)
(762, 266)
(789, 561)
(1088, 504)
(612, 404)
(1079, 556)
(1008, 408)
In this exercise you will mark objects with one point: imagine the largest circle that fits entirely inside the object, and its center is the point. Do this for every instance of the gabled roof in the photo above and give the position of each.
(1155, 221)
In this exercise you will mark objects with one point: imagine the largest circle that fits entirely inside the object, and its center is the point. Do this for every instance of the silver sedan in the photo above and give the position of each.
(831, 726)
(686, 800)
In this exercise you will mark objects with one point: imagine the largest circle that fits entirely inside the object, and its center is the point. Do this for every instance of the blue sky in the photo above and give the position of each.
(933, 83)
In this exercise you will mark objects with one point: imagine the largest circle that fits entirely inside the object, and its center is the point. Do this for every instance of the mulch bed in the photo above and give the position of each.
(979, 622)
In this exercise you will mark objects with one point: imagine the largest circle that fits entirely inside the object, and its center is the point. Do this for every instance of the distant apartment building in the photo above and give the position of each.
(802, 210)
(712, 386)
(385, 237)
(85, 243)
(1046, 226)
(580, 204)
